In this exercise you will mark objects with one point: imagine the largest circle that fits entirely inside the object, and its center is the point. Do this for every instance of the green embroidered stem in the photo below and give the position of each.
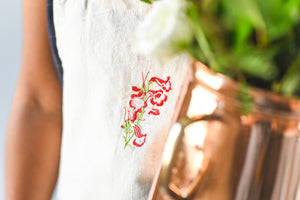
(127, 126)
(128, 133)
(127, 140)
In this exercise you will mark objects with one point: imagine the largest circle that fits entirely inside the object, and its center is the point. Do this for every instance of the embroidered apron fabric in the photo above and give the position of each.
(117, 106)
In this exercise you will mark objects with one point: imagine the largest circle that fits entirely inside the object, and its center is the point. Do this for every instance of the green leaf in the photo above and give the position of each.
(256, 64)
(250, 40)
(244, 17)
(290, 83)
(246, 100)
(192, 13)
(280, 16)
(243, 31)
(147, 1)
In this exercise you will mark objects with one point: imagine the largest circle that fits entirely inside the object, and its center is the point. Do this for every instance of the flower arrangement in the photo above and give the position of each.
(255, 42)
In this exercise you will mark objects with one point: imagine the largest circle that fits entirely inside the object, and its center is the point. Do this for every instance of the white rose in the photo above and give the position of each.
(164, 31)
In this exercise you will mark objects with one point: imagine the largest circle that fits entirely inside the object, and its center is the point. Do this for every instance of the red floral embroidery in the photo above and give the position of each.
(137, 103)
(140, 138)
(158, 97)
(154, 112)
(136, 89)
(165, 85)
(145, 100)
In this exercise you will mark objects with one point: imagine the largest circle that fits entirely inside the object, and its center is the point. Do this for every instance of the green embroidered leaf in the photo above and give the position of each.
(127, 140)
(127, 127)
(139, 116)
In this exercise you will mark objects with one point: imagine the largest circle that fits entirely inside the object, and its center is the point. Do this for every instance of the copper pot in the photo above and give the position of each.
(214, 152)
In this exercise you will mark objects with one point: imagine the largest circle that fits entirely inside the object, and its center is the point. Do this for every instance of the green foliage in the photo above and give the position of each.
(252, 41)
(148, 1)
(245, 98)
(256, 42)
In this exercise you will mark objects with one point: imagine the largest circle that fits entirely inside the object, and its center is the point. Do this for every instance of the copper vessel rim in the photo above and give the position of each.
(265, 102)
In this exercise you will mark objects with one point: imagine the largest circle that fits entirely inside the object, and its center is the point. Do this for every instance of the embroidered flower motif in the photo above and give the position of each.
(158, 97)
(165, 85)
(137, 103)
(139, 106)
(140, 138)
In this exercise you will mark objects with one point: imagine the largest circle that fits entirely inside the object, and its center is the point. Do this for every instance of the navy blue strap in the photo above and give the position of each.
(52, 40)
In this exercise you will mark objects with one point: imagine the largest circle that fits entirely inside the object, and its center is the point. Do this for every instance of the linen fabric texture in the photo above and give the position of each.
(93, 42)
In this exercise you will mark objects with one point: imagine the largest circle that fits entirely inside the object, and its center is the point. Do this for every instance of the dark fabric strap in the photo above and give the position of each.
(52, 40)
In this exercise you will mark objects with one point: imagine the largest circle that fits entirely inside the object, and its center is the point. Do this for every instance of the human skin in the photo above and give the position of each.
(35, 124)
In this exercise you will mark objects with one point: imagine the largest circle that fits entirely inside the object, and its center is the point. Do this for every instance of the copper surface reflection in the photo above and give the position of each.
(221, 153)
(201, 103)
(213, 81)
(192, 160)
(169, 149)
(195, 134)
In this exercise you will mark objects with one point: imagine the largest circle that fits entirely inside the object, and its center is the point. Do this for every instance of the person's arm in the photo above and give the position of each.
(35, 124)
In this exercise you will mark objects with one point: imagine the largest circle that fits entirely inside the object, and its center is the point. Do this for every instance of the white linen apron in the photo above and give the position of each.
(100, 70)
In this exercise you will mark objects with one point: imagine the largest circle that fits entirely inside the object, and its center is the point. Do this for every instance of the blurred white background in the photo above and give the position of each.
(10, 58)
